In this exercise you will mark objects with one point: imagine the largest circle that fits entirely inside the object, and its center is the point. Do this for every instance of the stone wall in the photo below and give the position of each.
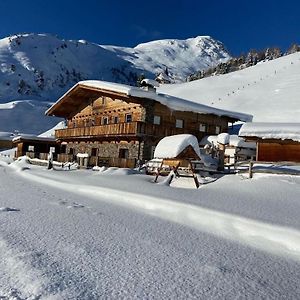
(105, 149)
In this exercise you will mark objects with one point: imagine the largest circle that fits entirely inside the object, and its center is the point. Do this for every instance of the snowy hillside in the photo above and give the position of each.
(41, 65)
(270, 91)
(27, 116)
(180, 57)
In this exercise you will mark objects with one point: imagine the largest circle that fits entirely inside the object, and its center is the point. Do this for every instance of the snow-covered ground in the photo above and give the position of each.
(83, 234)
(269, 90)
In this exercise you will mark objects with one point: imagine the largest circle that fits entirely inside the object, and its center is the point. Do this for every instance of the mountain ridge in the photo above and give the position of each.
(43, 66)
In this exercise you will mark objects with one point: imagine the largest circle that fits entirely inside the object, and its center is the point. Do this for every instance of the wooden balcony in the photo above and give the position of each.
(132, 129)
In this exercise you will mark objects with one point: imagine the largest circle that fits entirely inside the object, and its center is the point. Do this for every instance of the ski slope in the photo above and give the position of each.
(270, 91)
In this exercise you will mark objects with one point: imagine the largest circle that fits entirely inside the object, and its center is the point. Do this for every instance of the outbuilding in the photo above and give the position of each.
(275, 141)
(177, 150)
(35, 146)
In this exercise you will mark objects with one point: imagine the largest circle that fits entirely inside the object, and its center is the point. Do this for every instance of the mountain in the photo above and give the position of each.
(44, 66)
(180, 58)
(270, 90)
(36, 69)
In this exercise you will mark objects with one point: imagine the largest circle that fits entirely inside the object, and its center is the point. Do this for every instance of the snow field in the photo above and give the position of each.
(90, 240)
(267, 237)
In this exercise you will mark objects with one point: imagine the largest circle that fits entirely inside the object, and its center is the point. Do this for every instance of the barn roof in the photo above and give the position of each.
(282, 131)
(29, 137)
(6, 136)
(84, 92)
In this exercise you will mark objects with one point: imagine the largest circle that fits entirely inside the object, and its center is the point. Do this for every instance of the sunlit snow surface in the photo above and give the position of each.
(270, 91)
(88, 234)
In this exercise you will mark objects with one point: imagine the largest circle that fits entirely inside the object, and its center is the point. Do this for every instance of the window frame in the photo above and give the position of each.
(126, 116)
(179, 123)
(203, 126)
(157, 120)
(105, 120)
(116, 118)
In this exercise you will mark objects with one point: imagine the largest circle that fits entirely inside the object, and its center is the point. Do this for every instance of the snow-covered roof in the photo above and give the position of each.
(33, 138)
(6, 136)
(150, 82)
(223, 138)
(82, 155)
(170, 101)
(283, 131)
(172, 146)
(51, 132)
(234, 141)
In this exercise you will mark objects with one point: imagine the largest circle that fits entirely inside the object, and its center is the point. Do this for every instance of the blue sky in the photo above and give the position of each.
(240, 25)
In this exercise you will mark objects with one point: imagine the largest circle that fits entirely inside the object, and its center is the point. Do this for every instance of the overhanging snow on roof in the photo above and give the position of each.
(172, 146)
(28, 137)
(282, 131)
(127, 91)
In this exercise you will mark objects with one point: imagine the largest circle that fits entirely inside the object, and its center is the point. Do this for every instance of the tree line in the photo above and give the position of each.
(243, 61)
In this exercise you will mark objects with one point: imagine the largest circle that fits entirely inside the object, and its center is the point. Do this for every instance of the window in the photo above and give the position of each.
(92, 122)
(123, 153)
(116, 119)
(156, 120)
(104, 120)
(152, 151)
(179, 123)
(71, 151)
(128, 118)
(218, 129)
(63, 148)
(94, 152)
(202, 127)
(31, 148)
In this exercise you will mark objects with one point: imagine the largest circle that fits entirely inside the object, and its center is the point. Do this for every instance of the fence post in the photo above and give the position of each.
(250, 169)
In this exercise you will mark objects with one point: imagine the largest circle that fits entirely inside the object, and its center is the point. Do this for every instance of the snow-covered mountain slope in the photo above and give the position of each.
(270, 91)
(180, 57)
(41, 65)
(26, 116)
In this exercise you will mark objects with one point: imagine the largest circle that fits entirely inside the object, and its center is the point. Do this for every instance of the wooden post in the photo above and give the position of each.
(250, 169)
(194, 176)
(221, 157)
(158, 170)
(171, 178)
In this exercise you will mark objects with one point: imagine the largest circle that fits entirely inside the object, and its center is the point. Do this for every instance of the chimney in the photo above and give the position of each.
(149, 85)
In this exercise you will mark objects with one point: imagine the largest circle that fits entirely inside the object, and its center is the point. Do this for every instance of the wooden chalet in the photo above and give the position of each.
(275, 141)
(117, 124)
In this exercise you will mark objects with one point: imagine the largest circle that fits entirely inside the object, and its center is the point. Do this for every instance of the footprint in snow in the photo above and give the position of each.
(62, 202)
(75, 205)
(7, 209)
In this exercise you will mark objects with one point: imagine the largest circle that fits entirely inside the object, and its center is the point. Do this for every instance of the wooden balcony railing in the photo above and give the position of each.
(120, 129)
